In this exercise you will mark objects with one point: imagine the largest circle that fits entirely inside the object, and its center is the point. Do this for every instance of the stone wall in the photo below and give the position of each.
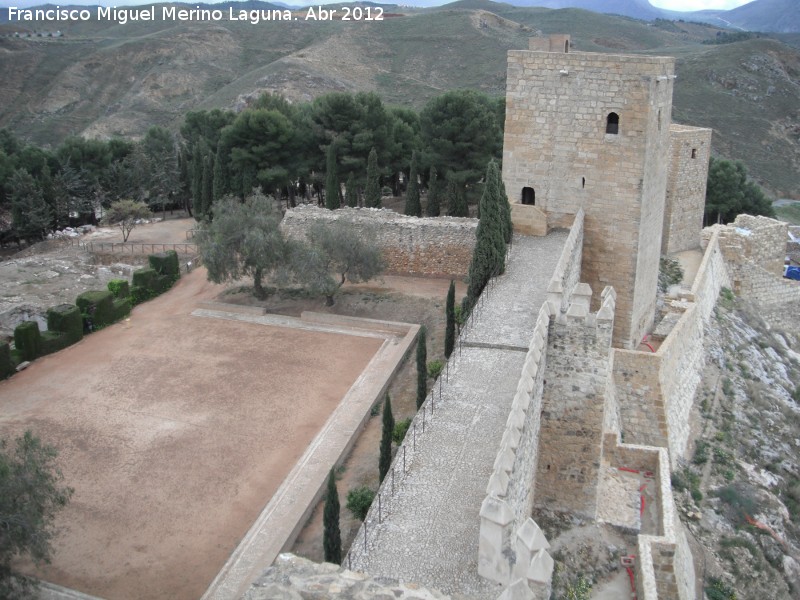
(568, 270)
(430, 247)
(570, 441)
(655, 391)
(754, 251)
(689, 152)
(558, 155)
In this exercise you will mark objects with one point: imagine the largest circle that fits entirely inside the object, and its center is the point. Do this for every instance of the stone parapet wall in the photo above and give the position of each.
(429, 247)
(568, 270)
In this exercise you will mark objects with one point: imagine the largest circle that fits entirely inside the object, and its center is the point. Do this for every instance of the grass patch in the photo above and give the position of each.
(789, 213)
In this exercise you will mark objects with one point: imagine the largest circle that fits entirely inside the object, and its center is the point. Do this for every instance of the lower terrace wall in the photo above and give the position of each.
(430, 247)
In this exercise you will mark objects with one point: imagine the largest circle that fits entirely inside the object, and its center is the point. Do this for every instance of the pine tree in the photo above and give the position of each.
(456, 201)
(332, 537)
(30, 214)
(422, 368)
(385, 460)
(331, 179)
(372, 193)
(413, 206)
(351, 193)
(432, 208)
(450, 314)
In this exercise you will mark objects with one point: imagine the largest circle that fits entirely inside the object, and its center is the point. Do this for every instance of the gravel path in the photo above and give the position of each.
(430, 535)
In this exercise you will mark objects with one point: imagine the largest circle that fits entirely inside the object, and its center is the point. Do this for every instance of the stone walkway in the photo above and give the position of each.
(430, 535)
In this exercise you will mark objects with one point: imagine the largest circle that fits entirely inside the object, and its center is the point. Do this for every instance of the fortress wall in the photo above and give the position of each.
(570, 444)
(689, 153)
(509, 501)
(655, 391)
(430, 247)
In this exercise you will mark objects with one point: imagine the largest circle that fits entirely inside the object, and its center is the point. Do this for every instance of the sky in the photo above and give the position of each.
(698, 4)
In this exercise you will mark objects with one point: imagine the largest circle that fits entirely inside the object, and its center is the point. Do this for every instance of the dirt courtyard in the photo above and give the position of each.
(174, 431)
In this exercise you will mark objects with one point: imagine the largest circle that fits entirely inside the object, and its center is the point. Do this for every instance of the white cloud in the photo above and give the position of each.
(689, 5)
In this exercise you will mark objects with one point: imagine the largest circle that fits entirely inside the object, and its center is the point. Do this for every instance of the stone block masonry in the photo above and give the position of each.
(689, 152)
(591, 131)
(428, 247)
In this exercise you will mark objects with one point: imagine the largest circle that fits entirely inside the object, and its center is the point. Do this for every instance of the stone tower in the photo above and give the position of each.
(592, 131)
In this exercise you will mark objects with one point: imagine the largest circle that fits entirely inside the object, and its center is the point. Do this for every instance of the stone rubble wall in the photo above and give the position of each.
(293, 578)
(689, 153)
(754, 251)
(428, 247)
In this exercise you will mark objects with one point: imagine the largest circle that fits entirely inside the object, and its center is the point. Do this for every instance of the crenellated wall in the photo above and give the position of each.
(430, 247)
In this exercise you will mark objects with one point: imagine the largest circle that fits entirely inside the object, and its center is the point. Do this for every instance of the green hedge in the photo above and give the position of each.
(66, 319)
(144, 278)
(122, 308)
(6, 366)
(165, 263)
(97, 305)
(119, 287)
(28, 340)
(53, 341)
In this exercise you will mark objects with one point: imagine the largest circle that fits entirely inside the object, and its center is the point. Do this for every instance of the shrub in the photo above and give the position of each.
(28, 340)
(66, 319)
(98, 307)
(53, 341)
(6, 365)
(359, 500)
(400, 429)
(435, 368)
(165, 263)
(122, 308)
(144, 278)
(119, 287)
(140, 294)
(719, 590)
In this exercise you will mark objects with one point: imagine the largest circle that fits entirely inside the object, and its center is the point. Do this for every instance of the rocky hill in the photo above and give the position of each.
(103, 78)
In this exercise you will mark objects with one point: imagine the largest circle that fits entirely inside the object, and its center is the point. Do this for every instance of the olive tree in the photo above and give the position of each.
(31, 493)
(243, 239)
(332, 254)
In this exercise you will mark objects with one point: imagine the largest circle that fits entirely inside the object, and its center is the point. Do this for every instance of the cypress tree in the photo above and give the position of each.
(331, 179)
(413, 206)
(248, 182)
(207, 187)
(372, 193)
(351, 194)
(219, 180)
(456, 201)
(492, 223)
(505, 206)
(432, 208)
(450, 314)
(332, 537)
(196, 172)
(385, 460)
(422, 368)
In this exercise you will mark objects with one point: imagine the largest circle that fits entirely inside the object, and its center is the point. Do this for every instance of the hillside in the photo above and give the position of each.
(104, 79)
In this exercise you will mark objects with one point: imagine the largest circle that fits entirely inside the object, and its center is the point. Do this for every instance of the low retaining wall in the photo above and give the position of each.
(568, 270)
(430, 247)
